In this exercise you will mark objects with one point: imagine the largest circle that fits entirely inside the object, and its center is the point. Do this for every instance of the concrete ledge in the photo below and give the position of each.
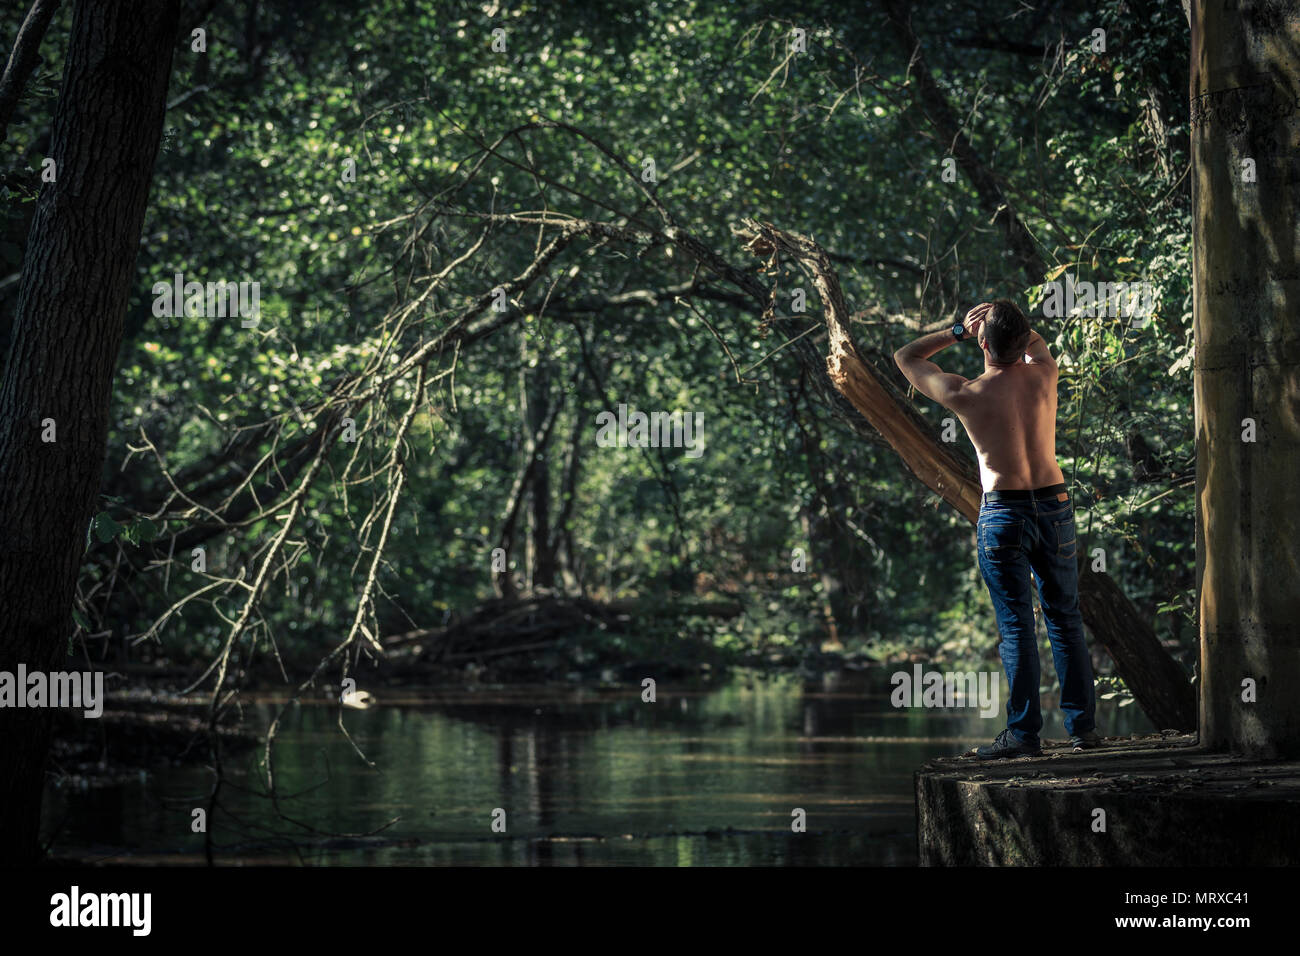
(1166, 803)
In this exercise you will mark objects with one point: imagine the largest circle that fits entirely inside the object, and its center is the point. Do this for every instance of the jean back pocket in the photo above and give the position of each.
(1001, 533)
(1067, 544)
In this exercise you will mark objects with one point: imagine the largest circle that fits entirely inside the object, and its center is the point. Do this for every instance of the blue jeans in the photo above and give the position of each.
(1015, 537)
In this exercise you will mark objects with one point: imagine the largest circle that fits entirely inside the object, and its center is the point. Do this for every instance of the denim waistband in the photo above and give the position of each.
(1048, 491)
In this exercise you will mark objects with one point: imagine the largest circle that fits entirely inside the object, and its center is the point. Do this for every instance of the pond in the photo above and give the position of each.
(584, 775)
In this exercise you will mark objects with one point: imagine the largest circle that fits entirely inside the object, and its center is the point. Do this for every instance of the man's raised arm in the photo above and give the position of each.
(930, 380)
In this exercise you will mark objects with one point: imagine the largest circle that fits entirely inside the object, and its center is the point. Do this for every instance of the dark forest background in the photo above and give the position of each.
(464, 158)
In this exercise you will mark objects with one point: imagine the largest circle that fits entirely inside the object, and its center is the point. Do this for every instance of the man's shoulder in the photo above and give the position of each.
(1048, 364)
(964, 392)
(1001, 388)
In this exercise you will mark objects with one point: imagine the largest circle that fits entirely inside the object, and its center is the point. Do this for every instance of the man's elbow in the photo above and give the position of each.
(900, 357)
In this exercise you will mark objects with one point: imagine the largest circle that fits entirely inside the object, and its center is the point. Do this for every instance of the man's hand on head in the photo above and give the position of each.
(975, 319)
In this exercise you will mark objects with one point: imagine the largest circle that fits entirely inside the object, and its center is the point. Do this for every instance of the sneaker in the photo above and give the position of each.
(1005, 745)
(1085, 741)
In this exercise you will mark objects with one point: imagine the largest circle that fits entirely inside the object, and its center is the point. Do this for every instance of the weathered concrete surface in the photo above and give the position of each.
(1166, 803)
(1245, 113)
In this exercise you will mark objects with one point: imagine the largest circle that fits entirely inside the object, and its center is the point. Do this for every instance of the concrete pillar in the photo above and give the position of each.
(1245, 141)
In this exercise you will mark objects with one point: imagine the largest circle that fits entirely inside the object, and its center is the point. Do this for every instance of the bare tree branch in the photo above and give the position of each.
(23, 59)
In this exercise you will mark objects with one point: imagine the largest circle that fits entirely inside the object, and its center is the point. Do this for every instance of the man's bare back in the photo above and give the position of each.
(1010, 415)
(1009, 411)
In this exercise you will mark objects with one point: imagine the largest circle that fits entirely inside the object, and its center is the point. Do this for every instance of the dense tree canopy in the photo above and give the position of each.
(390, 188)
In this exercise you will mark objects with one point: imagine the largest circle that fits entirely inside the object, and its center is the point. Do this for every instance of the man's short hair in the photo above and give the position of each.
(1006, 330)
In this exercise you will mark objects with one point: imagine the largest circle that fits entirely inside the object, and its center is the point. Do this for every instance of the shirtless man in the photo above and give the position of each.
(1026, 518)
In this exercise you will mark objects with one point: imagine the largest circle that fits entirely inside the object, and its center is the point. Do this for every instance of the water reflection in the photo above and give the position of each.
(585, 776)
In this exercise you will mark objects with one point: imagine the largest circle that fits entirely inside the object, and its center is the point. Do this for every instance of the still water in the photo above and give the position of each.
(584, 775)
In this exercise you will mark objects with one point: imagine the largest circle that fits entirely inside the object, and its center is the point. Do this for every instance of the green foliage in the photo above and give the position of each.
(248, 187)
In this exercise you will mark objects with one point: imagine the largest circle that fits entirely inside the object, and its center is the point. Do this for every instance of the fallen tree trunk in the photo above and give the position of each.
(1157, 681)
(503, 622)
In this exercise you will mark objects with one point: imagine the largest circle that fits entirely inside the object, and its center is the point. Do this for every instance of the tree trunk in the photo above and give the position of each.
(504, 582)
(77, 276)
(543, 557)
(1157, 681)
(572, 571)
(837, 557)
(930, 97)
(1245, 117)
